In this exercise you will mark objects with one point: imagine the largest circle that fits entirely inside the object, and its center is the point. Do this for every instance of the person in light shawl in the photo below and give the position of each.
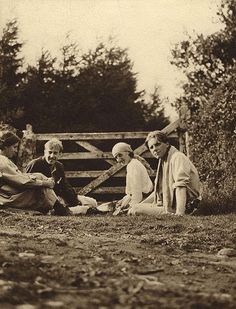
(21, 190)
(177, 184)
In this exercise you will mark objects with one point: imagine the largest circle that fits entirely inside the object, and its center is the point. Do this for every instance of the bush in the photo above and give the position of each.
(213, 145)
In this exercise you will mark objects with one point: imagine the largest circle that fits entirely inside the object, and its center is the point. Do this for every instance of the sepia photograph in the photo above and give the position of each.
(117, 154)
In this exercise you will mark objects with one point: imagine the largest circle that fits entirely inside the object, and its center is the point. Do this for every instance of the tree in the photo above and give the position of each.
(11, 77)
(205, 60)
(108, 95)
(209, 65)
(154, 111)
(93, 91)
(39, 83)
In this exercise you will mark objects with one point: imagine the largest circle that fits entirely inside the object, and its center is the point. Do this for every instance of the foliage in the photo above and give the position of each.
(93, 91)
(205, 60)
(215, 144)
(154, 112)
(38, 86)
(106, 91)
(10, 76)
(209, 93)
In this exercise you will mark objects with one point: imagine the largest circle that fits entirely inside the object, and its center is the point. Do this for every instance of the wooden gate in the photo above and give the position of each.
(97, 179)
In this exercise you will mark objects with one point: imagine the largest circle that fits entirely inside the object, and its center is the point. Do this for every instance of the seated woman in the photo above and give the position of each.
(21, 190)
(177, 184)
(138, 181)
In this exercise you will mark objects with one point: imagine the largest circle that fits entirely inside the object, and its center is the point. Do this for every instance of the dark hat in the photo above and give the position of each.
(8, 139)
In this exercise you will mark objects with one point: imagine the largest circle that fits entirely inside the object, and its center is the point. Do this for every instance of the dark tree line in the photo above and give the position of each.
(92, 91)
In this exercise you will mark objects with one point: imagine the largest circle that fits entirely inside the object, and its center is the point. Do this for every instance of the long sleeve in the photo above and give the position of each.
(22, 180)
(185, 174)
(137, 181)
(11, 175)
(63, 188)
(30, 167)
(181, 170)
(180, 180)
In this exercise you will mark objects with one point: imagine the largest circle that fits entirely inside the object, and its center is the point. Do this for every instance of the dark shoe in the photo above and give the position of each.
(60, 210)
(93, 211)
(192, 207)
(43, 211)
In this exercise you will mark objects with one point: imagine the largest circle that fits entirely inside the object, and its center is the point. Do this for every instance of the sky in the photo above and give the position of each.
(147, 28)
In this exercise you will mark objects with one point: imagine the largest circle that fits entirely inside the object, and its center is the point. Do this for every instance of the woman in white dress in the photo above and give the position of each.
(138, 181)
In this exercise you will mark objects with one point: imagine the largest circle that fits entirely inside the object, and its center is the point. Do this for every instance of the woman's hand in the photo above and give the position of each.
(49, 183)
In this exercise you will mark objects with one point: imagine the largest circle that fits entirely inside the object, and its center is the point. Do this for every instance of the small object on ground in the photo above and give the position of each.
(26, 255)
(45, 291)
(87, 201)
(25, 306)
(4, 283)
(106, 207)
(79, 210)
(149, 271)
(48, 259)
(150, 280)
(227, 252)
(54, 304)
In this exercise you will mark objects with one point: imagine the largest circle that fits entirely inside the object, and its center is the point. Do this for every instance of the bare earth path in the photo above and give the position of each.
(116, 262)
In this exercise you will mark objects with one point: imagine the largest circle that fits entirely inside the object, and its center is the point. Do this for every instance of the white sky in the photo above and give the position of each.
(148, 28)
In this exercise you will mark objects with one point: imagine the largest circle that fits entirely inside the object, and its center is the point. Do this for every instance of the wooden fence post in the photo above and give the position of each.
(27, 147)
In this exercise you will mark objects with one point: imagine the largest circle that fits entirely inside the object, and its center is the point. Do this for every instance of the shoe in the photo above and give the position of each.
(60, 210)
(93, 211)
(117, 211)
(121, 211)
(192, 207)
(107, 207)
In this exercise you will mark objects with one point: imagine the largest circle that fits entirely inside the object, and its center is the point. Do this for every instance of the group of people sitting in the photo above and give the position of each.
(43, 186)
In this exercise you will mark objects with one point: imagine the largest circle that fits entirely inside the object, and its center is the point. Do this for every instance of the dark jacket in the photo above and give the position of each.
(62, 187)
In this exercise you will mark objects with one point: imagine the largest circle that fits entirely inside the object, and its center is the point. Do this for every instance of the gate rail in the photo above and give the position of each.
(91, 152)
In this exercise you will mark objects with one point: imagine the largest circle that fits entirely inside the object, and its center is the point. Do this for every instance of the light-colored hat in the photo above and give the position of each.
(121, 147)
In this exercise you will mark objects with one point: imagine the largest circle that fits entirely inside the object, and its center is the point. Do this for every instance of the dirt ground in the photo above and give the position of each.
(117, 262)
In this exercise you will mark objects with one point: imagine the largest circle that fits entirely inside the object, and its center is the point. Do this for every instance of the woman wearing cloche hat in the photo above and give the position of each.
(138, 181)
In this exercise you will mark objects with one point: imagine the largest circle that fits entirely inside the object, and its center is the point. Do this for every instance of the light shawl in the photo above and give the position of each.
(176, 171)
(21, 190)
